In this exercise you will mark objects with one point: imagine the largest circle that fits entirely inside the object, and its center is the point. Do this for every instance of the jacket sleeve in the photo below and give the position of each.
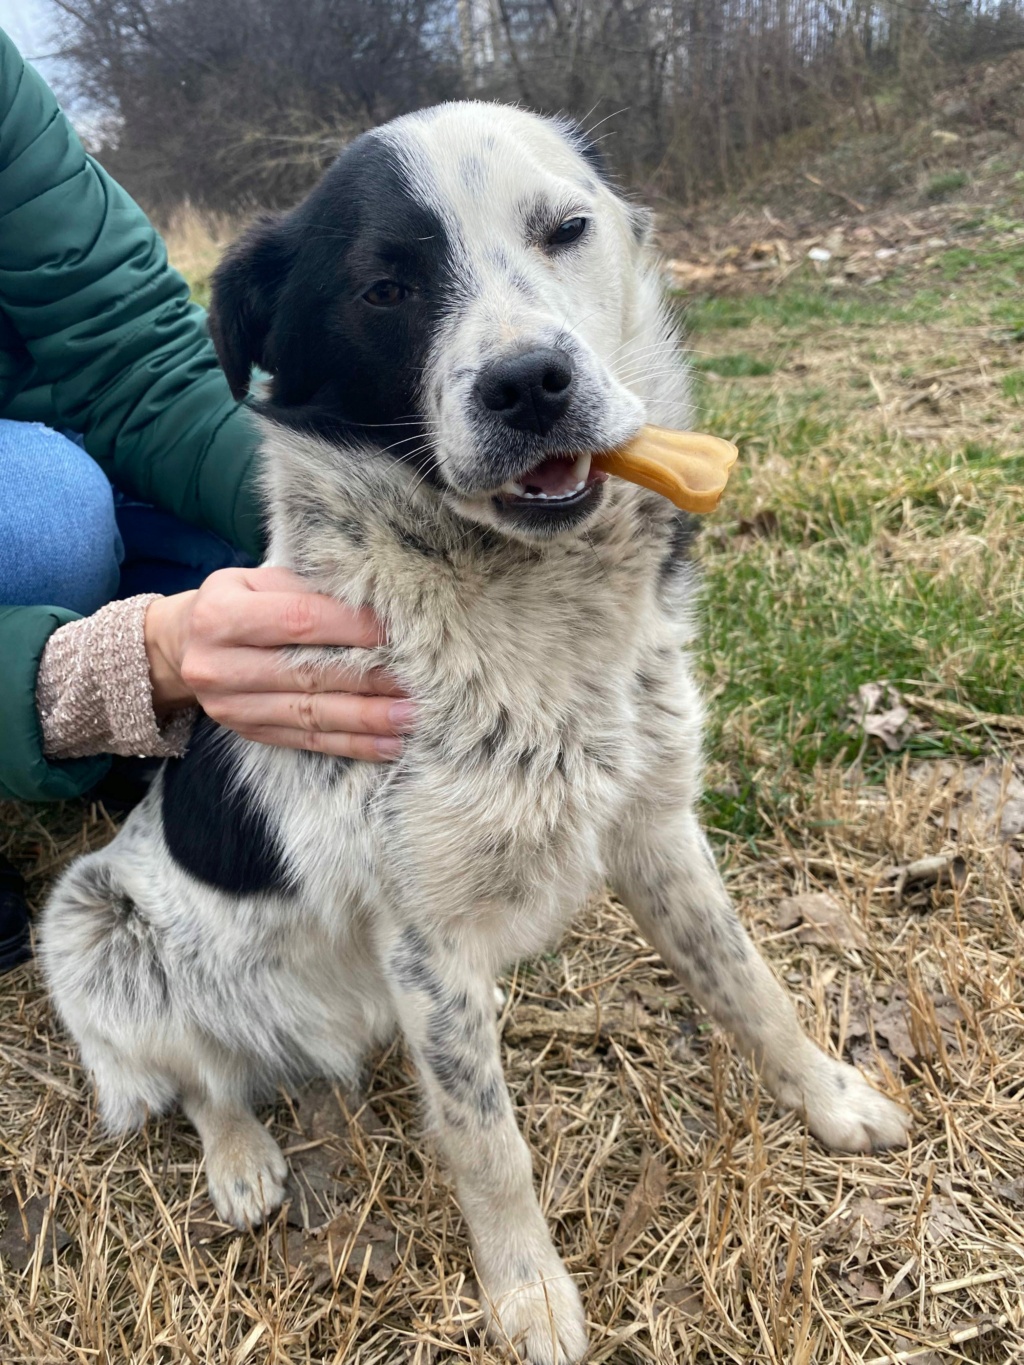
(108, 326)
(25, 774)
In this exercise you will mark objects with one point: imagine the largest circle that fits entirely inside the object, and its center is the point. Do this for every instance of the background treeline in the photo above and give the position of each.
(234, 101)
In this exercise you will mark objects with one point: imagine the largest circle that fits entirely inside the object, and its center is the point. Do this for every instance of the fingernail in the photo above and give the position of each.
(389, 748)
(402, 714)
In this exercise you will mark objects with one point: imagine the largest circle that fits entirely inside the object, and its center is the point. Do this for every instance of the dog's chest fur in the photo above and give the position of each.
(538, 671)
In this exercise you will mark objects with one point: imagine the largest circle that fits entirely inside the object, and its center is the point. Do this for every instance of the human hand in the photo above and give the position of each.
(224, 646)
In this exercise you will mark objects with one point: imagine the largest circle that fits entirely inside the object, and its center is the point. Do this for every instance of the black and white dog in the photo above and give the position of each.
(453, 321)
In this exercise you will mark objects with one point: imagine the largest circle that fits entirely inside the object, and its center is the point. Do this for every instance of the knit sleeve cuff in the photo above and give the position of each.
(93, 692)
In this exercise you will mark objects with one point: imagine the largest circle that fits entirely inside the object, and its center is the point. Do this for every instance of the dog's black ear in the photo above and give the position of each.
(245, 289)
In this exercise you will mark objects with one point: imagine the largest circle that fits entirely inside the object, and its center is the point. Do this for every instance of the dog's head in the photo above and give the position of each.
(455, 291)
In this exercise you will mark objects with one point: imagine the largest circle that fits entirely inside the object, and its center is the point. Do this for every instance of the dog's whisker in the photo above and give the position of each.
(588, 133)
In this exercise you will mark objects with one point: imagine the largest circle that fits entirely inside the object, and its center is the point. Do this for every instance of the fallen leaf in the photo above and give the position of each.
(204, 1228)
(318, 1111)
(911, 1350)
(644, 1201)
(986, 798)
(1010, 1190)
(320, 1255)
(879, 711)
(29, 1227)
(319, 1180)
(943, 870)
(683, 1294)
(313, 1189)
(819, 918)
(855, 1232)
(991, 803)
(944, 1221)
(893, 1024)
(862, 1287)
(868, 1215)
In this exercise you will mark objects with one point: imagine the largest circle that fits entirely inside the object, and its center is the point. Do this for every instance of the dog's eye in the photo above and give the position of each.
(569, 231)
(386, 294)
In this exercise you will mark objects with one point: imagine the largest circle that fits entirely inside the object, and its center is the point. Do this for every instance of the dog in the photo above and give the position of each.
(459, 315)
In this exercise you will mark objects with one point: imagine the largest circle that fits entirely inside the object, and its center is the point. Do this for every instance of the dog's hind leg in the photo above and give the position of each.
(664, 870)
(445, 1003)
(104, 968)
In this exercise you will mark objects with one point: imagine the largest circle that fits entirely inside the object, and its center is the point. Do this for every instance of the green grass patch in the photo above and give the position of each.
(944, 184)
(871, 557)
(789, 309)
(791, 631)
(200, 291)
(739, 366)
(1006, 262)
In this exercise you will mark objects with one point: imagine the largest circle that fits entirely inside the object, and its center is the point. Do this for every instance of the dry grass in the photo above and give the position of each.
(196, 239)
(703, 1225)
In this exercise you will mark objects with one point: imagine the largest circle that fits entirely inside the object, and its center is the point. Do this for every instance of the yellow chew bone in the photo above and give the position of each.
(687, 467)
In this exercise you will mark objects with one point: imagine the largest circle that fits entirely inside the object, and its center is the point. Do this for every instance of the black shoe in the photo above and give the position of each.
(15, 945)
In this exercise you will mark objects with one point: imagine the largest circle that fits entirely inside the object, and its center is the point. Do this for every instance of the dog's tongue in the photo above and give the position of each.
(555, 477)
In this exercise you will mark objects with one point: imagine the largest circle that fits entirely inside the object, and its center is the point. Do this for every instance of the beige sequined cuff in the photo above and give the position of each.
(93, 692)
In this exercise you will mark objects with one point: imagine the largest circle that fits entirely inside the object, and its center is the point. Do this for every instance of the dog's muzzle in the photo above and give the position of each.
(524, 405)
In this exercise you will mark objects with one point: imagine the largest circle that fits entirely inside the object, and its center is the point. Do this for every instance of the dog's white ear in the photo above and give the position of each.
(245, 289)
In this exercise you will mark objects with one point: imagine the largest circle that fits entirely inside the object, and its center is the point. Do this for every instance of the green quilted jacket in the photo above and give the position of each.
(97, 335)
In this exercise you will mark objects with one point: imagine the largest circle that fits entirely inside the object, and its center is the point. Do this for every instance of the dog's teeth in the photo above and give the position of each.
(516, 489)
(581, 469)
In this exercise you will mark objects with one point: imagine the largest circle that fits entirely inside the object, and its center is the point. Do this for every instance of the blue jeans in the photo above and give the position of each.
(70, 539)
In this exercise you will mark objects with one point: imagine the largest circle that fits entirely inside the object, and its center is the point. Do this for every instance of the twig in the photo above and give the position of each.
(956, 711)
(968, 1281)
(950, 1339)
(839, 194)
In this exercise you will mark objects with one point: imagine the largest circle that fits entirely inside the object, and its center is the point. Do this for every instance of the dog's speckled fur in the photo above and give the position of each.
(557, 745)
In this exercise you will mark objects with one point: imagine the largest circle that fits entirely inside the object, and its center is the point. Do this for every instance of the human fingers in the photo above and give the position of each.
(327, 713)
(242, 668)
(246, 606)
(337, 744)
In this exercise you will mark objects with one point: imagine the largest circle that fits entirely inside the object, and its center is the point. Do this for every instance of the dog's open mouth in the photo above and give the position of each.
(561, 481)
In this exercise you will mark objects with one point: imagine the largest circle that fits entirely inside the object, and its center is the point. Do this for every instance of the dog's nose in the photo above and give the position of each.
(529, 391)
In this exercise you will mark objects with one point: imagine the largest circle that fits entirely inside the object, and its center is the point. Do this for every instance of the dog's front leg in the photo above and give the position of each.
(445, 1004)
(665, 872)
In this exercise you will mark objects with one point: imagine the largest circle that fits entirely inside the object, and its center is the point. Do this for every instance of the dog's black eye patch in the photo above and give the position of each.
(386, 294)
(568, 231)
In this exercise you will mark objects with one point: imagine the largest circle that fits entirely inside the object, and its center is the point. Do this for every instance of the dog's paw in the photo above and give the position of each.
(847, 1113)
(245, 1172)
(541, 1317)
